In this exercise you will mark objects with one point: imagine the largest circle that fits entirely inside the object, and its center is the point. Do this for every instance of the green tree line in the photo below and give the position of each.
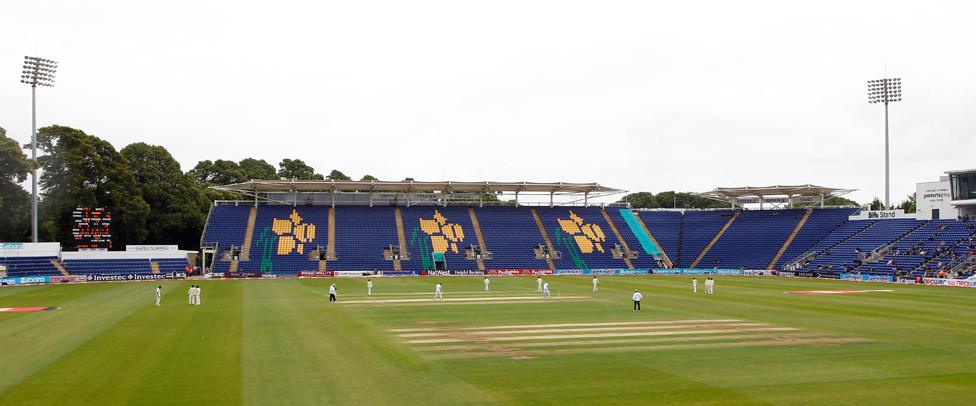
(687, 200)
(152, 200)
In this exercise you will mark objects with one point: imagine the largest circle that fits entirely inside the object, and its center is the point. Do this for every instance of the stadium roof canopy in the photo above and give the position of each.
(775, 191)
(262, 186)
(777, 196)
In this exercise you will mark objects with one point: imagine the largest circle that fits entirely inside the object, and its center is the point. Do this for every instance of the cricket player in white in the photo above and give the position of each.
(159, 291)
(545, 290)
(709, 286)
(189, 294)
(332, 293)
(538, 283)
(595, 283)
(694, 285)
(369, 287)
(437, 292)
(196, 295)
(637, 298)
(487, 285)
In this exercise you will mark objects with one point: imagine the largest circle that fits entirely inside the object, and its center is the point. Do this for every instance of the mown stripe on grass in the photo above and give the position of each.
(305, 351)
(560, 325)
(662, 347)
(33, 341)
(173, 354)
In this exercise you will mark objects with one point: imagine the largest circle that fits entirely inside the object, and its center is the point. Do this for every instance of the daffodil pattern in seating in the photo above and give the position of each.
(444, 236)
(587, 235)
(292, 234)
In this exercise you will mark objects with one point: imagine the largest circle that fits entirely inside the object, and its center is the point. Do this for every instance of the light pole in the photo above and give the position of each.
(885, 91)
(37, 72)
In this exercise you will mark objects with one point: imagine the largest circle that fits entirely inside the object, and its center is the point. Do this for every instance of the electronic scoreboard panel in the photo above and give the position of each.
(92, 227)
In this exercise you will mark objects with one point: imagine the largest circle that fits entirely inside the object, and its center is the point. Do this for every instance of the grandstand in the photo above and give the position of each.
(449, 227)
(444, 233)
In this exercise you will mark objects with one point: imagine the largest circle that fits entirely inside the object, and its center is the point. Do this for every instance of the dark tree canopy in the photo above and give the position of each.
(297, 169)
(219, 172)
(367, 178)
(84, 170)
(178, 205)
(876, 204)
(839, 201)
(337, 175)
(14, 200)
(257, 169)
(670, 199)
(908, 205)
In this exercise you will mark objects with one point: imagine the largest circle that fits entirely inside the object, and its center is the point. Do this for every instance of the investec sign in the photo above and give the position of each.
(881, 215)
(134, 277)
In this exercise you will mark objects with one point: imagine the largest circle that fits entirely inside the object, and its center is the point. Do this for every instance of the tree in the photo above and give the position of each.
(337, 175)
(641, 200)
(876, 204)
(297, 169)
(909, 204)
(14, 200)
(82, 170)
(178, 205)
(257, 169)
(219, 172)
(367, 178)
(839, 201)
(671, 199)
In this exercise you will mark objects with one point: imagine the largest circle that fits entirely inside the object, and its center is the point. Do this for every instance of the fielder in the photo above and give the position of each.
(332, 293)
(438, 295)
(159, 291)
(538, 283)
(637, 298)
(487, 285)
(369, 287)
(189, 295)
(694, 285)
(196, 295)
(595, 283)
(545, 290)
(709, 286)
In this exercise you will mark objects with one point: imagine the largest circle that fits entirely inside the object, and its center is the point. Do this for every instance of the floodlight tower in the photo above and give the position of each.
(885, 91)
(37, 72)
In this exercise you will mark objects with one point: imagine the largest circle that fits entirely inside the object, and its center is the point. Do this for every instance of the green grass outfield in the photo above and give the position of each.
(279, 342)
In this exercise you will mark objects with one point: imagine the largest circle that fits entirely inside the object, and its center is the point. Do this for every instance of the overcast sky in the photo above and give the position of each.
(643, 96)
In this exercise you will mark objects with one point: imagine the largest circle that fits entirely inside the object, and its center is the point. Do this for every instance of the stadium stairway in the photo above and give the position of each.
(330, 253)
(57, 265)
(664, 254)
(667, 231)
(545, 237)
(154, 266)
(789, 240)
(715, 239)
(479, 236)
(842, 234)
(249, 234)
(620, 237)
(401, 237)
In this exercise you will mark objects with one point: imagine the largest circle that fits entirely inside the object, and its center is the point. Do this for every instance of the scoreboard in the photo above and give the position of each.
(92, 228)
